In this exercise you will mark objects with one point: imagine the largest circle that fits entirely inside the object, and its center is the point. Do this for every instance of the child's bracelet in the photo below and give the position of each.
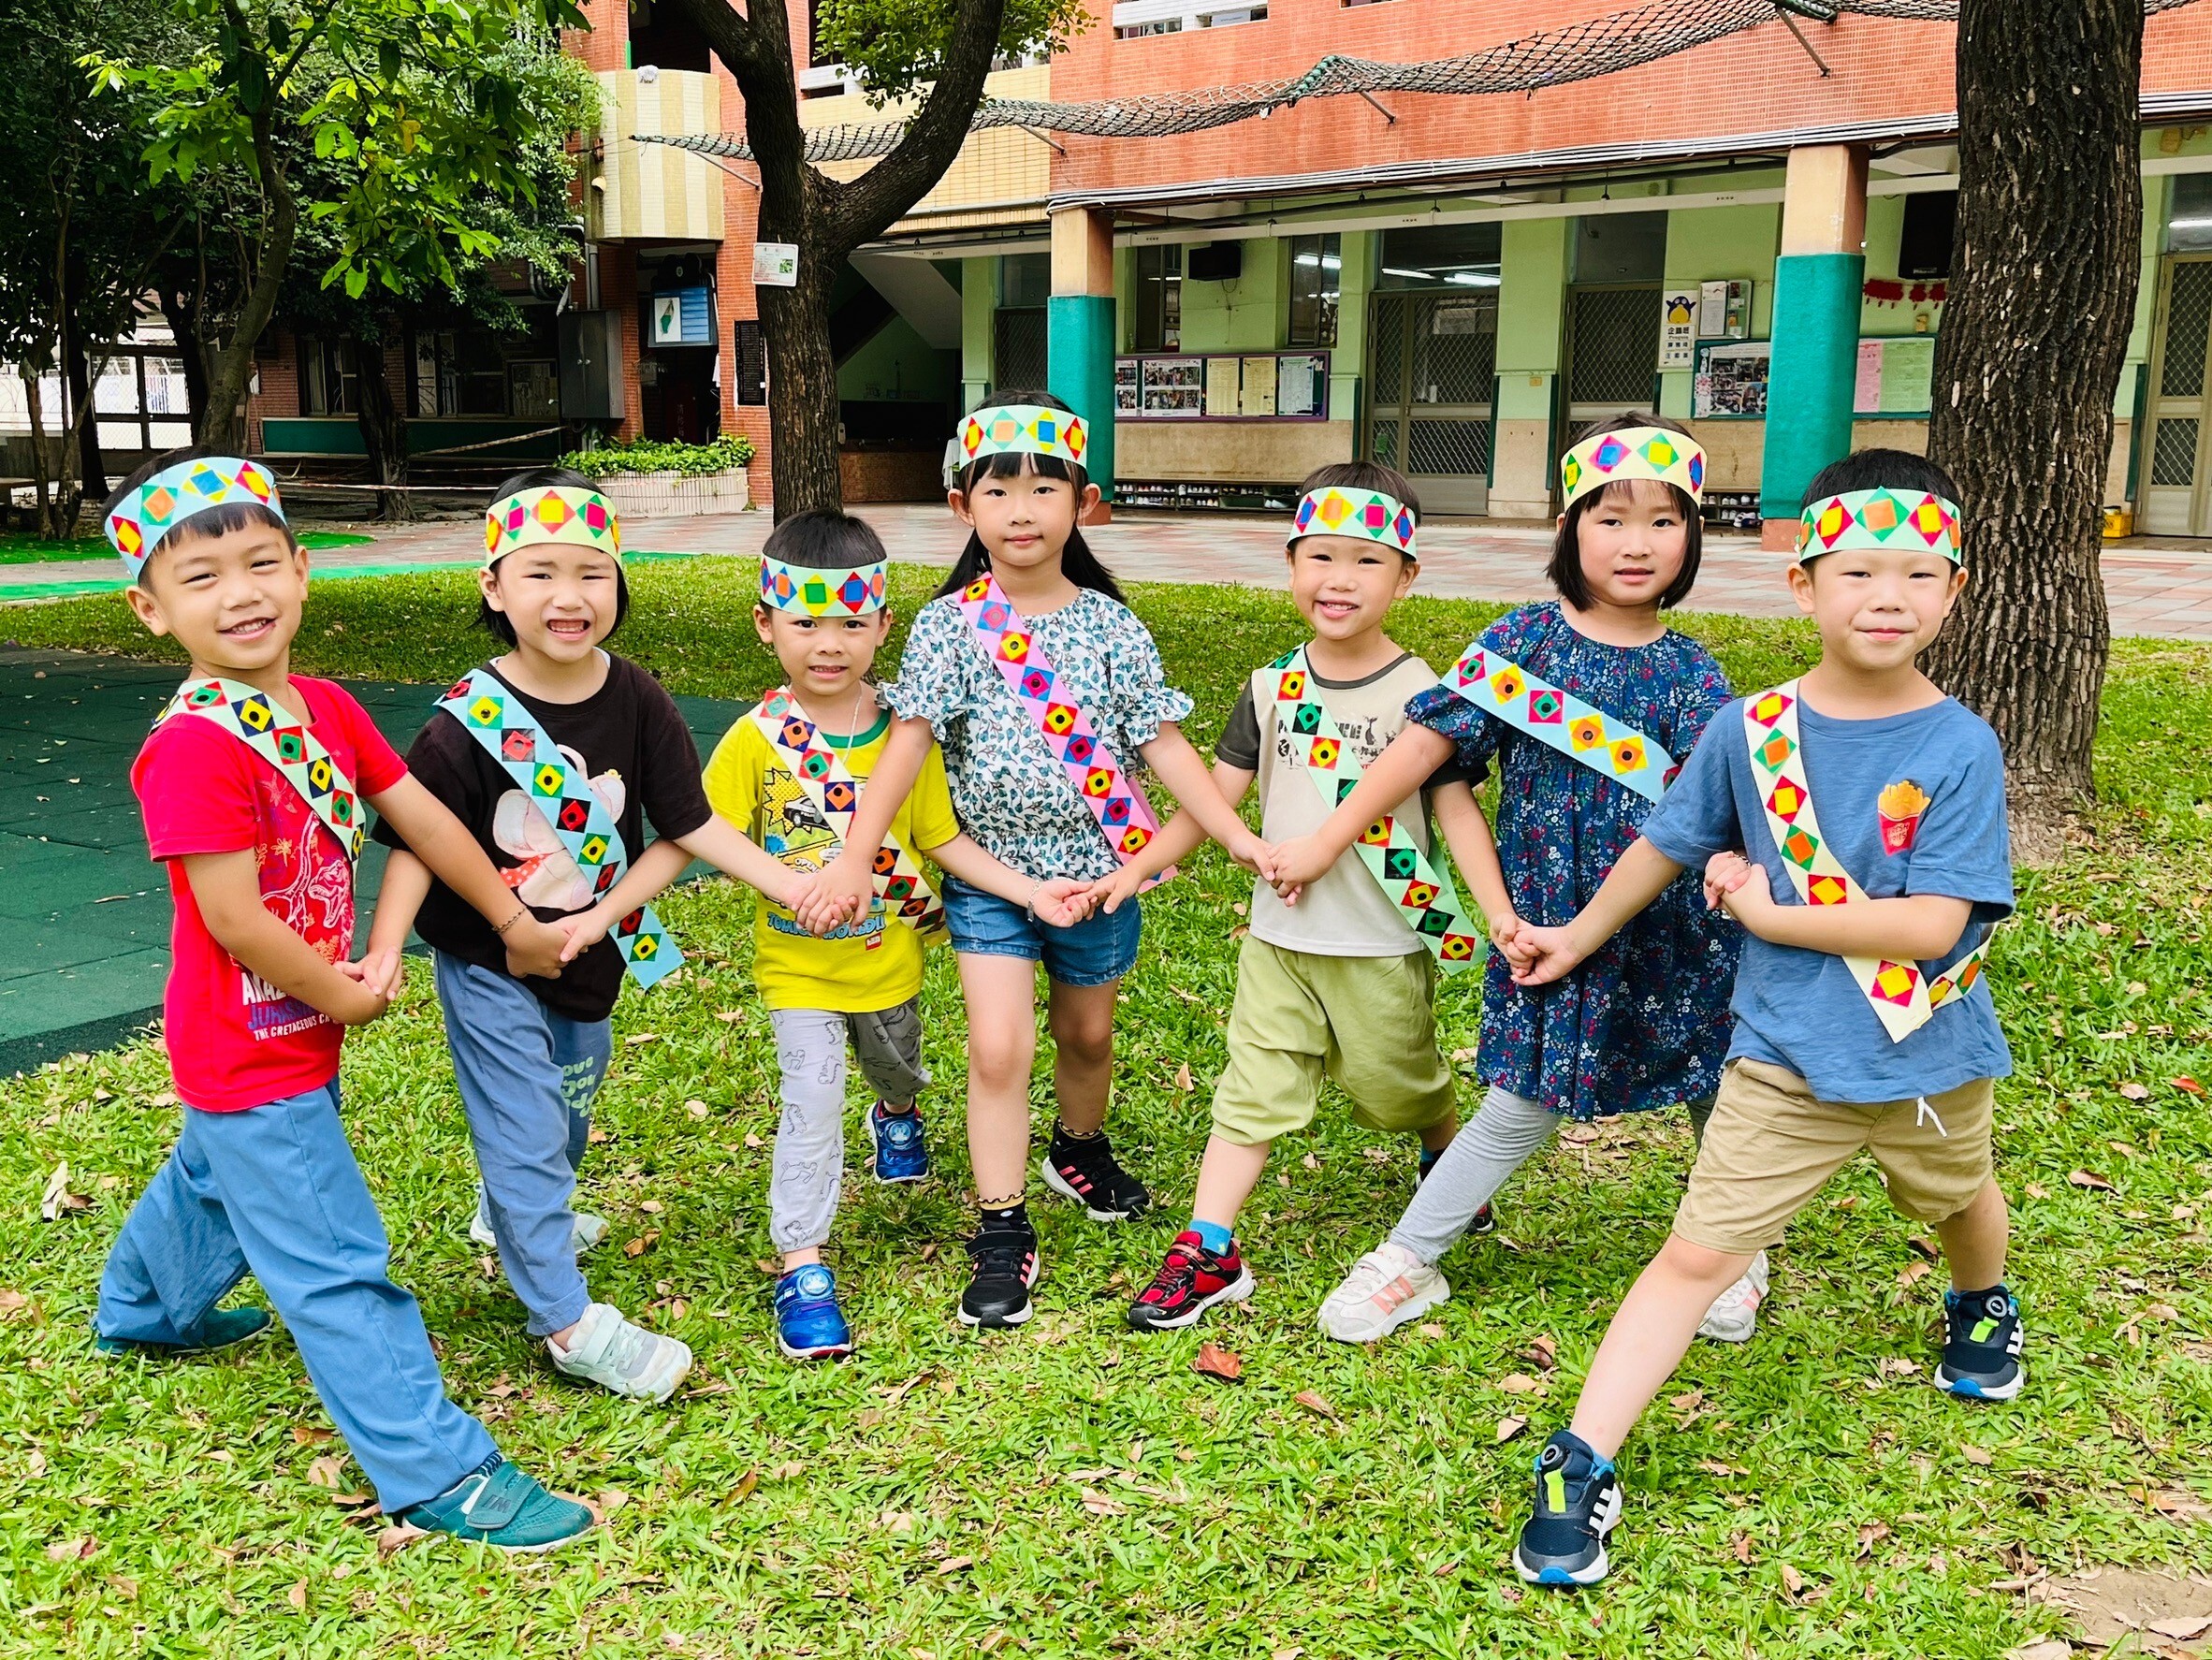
(521, 911)
(1029, 904)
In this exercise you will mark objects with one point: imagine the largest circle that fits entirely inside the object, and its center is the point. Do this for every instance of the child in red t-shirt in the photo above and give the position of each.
(253, 783)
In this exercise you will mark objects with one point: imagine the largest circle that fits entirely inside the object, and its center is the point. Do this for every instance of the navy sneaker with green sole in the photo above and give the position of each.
(219, 1327)
(1563, 1542)
(1982, 1335)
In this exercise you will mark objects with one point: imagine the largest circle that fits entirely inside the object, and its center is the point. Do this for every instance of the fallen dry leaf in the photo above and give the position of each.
(1314, 1404)
(1713, 1467)
(297, 1596)
(753, 1139)
(2037, 1190)
(635, 1040)
(1914, 1270)
(697, 1109)
(652, 1207)
(1543, 1351)
(72, 1549)
(1976, 1455)
(307, 1435)
(1183, 1078)
(1430, 1328)
(1510, 1427)
(745, 1483)
(1742, 1544)
(327, 1471)
(57, 1201)
(790, 1470)
(642, 1244)
(731, 1015)
(2043, 1650)
(1869, 1535)
(394, 1539)
(2135, 1091)
(612, 1499)
(2092, 1180)
(1216, 1361)
(1897, 1366)
(952, 1565)
(13, 1303)
(1792, 1581)
(2183, 1627)
(2189, 1083)
(1517, 1383)
(1097, 1504)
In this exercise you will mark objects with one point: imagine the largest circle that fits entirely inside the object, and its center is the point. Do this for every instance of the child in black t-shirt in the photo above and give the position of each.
(555, 755)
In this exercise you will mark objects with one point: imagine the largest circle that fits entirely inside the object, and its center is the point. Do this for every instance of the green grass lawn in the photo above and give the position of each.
(1074, 1488)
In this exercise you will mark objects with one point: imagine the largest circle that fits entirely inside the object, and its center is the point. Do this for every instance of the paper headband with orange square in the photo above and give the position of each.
(1024, 429)
(1916, 519)
(551, 514)
(140, 520)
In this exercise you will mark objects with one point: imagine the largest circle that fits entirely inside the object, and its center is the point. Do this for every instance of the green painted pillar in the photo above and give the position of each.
(1813, 379)
(1818, 282)
(1078, 367)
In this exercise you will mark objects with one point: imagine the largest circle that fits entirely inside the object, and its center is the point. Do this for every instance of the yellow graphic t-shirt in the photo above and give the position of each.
(862, 968)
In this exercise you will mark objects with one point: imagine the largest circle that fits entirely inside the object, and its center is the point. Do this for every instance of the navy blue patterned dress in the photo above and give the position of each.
(1644, 1023)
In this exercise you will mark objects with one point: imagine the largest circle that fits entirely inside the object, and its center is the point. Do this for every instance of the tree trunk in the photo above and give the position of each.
(2034, 336)
(230, 366)
(91, 467)
(802, 378)
(383, 428)
(183, 321)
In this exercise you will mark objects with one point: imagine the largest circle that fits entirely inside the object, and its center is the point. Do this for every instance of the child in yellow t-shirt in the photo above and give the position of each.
(791, 771)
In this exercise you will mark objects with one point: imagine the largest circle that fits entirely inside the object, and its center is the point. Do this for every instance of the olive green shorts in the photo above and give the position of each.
(1298, 1017)
(1770, 1145)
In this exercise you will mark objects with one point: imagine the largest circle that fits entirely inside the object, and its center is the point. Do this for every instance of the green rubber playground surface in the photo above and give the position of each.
(85, 914)
(16, 548)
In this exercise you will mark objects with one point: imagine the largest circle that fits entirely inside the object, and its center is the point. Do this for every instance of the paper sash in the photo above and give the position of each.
(495, 719)
(1422, 896)
(1607, 745)
(1902, 997)
(1115, 799)
(829, 784)
(266, 728)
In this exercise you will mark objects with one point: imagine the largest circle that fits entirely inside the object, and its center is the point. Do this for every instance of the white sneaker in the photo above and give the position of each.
(1386, 1288)
(1735, 1311)
(629, 1360)
(588, 1232)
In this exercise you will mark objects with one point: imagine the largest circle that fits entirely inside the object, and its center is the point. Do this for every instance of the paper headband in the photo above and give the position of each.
(1633, 452)
(1334, 512)
(175, 494)
(815, 592)
(554, 514)
(1916, 520)
(1024, 429)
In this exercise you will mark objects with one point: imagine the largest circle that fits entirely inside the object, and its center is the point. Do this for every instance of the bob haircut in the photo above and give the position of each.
(215, 521)
(1078, 564)
(1564, 572)
(546, 478)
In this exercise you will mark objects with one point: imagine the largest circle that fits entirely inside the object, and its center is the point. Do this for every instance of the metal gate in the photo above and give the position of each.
(1432, 368)
(2177, 480)
(1018, 347)
(1612, 351)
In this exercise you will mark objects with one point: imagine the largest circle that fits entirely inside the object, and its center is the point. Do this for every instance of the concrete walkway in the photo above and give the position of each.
(2161, 589)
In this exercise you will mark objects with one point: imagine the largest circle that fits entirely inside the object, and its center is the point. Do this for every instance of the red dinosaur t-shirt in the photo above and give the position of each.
(234, 1040)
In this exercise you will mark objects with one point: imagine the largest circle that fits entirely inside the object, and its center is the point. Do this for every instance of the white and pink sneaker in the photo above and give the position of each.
(1386, 1288)
(1735, 1313)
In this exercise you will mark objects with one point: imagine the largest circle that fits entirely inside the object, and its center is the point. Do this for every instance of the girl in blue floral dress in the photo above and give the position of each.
(1014, 776)
(1644, 1023)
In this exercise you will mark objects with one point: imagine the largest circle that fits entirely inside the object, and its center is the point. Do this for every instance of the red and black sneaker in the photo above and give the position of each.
(1088, 1172)
(1188, 1283)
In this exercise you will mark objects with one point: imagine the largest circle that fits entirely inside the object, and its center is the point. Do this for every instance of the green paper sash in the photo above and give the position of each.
(265, 727)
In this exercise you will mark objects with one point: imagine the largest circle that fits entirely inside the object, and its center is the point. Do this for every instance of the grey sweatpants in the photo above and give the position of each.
(1506, 1129)
(808, 1173)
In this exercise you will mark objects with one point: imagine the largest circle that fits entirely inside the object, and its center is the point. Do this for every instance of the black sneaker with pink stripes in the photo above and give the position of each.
(1085, 1171)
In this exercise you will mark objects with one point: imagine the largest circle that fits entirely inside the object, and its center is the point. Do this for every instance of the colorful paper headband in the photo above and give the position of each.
(551, 513)
(816, 593)
(1024, 429)
(175, 494)
(1334, 512)
(1916, 520)
(1633, 452)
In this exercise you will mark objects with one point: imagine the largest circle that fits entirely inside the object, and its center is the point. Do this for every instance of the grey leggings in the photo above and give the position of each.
(1490, 1146)
(807, 1172)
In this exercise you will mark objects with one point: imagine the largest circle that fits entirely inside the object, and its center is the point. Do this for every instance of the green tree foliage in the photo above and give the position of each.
(899, 49)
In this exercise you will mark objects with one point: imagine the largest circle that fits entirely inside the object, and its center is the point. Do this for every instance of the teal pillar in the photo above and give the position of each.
(1079, 369)
(1813, 380)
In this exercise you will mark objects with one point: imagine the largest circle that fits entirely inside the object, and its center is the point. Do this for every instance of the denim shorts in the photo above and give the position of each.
(1099, 950)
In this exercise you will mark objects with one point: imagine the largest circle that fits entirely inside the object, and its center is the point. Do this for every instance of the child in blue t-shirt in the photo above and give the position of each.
(1854, 823)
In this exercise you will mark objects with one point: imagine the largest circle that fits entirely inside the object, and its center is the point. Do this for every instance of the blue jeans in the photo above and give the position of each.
(526, 1077)
(1096, 950)
(275, 1191)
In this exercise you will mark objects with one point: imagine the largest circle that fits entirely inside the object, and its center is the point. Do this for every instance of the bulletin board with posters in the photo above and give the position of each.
(1895, 377)
(1730, 384)
(1250, 385)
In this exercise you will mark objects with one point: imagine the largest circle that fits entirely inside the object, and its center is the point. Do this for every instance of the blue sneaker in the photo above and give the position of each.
(809, 1325)
(901, 1155)
(1982, 1335)
(219, 1327)
(497, 1504)
(1563, 1542)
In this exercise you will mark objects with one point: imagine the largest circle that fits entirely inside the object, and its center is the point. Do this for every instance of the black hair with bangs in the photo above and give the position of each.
(215, 521)
(1564, 572)
(1078, 564)
(494, 622)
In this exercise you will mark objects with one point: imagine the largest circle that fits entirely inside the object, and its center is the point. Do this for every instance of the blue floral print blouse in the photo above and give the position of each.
(1644, 1023)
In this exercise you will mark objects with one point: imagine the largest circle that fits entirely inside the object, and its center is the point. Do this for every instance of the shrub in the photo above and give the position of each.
(620, 460)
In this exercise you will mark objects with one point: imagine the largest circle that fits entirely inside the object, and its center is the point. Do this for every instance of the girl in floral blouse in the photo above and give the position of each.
(1021, 493)
(1644, 1023)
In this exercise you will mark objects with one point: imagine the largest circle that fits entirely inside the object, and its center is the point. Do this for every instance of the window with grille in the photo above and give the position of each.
(1156, 322)
(1317, 283)
(2189, 320)
(1133, 19)
(327, 377)
(2174, 453)
(1614, 348)
(1018, 347)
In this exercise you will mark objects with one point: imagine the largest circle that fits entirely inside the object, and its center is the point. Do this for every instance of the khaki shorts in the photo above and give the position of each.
(1367, 1022)
(1771, 1147)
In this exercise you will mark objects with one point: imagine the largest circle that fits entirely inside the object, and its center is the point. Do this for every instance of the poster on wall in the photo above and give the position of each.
(1731, 381)
(1259, 395)
(776, 264)
(1677, 330)
(1126, 385)
(1221, 385)
(1301, 386)
(1174, 386)
(1896, 375)
(1723, 308)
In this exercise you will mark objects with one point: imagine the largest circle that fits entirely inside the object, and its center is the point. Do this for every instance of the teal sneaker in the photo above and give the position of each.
(220, 1328)
(496, 1503)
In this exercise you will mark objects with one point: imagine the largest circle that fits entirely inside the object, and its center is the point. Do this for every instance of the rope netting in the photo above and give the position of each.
(1553, 57)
